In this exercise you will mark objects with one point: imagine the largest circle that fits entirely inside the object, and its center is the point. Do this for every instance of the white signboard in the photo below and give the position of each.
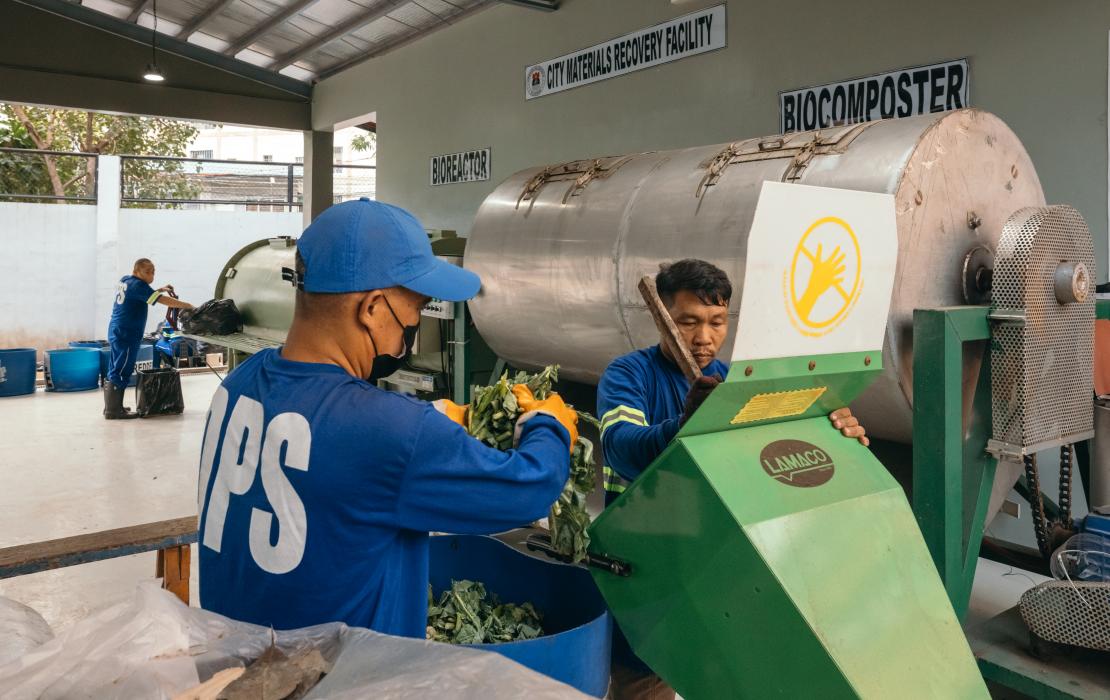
(819, 274)
(468, 166)
(901, 93)
(684, 36)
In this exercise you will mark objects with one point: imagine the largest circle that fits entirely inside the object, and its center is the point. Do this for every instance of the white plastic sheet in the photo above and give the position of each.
(156, 647)
(21, 630)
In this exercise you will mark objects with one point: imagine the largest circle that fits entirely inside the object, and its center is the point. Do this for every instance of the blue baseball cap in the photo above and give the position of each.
(361, 245)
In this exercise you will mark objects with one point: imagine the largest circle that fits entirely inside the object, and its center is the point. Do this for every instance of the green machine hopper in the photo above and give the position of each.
(767, 555)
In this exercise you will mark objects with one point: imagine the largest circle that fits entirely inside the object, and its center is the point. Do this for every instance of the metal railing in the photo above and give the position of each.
(166, 182)
(28, 175)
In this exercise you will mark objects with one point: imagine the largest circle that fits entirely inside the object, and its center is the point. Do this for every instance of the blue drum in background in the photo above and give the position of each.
(72, 369)
(105, 353)
(17, 371)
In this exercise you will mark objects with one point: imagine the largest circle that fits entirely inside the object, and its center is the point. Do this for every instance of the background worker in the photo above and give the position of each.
(134, 296)
(317, 488)
(644, 398)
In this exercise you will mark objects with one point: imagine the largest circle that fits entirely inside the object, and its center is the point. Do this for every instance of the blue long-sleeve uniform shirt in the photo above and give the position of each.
(317, 492)
(133, 298)
(640, 400)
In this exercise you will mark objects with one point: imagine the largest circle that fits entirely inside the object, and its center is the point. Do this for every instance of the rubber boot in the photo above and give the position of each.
(113, 403)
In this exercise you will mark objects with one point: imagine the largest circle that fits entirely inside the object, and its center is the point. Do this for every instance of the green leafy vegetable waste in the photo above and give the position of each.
(492, 419)
(466, 614)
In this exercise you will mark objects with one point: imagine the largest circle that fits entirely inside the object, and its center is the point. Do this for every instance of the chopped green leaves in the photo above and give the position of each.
(466, 614)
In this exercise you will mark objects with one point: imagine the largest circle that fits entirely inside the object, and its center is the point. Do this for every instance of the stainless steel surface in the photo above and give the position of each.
(1042, 369)
(560, 249)
(252, 277)
(1100, 457)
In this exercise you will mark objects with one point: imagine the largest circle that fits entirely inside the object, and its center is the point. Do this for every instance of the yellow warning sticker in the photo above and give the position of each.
(780, 404)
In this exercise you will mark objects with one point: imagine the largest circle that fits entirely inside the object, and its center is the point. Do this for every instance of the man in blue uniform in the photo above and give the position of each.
(134, 296)
(644, 398)
(318, 489)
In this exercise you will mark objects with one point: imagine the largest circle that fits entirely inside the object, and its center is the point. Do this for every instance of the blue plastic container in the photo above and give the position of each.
(105, 353)
(72, 369)
(578, 629)
(145, 359)
(17, 371)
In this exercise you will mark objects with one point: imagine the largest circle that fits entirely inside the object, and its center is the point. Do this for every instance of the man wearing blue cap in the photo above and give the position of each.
(318, 489)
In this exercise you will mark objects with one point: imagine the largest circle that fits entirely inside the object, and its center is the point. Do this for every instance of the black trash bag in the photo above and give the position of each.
(213, 317)
(159, 392)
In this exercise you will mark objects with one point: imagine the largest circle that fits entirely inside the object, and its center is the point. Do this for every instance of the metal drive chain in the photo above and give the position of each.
(1040, 524)
(1066, 459)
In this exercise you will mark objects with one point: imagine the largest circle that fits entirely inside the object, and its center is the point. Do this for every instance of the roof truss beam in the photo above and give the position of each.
(353, 23)
(200, 20)
(266, 27)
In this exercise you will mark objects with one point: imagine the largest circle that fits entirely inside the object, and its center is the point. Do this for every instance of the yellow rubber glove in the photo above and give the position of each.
(553, 406)
(452, 410)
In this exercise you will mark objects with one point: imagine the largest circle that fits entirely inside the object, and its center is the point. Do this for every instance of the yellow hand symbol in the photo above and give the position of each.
(827, 274)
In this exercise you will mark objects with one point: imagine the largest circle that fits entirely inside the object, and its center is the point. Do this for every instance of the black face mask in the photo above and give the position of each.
(385, 365)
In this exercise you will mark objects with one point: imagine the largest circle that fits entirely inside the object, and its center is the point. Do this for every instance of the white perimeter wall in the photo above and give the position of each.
(47, 273)
(59, 263)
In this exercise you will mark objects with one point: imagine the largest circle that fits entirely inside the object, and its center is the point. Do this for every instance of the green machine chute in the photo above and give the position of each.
(769, 555)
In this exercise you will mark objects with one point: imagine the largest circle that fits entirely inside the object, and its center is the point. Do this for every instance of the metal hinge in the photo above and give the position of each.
(580, 172)
(800, 148)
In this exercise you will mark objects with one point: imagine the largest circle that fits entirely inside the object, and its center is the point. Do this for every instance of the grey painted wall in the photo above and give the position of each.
(1041, 66)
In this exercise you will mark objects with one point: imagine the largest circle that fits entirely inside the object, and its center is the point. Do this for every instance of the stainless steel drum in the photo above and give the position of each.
(561, 248)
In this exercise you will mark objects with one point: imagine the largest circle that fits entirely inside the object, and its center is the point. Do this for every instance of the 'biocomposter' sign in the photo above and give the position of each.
(684, 36)
(901, 93)
(468, 166)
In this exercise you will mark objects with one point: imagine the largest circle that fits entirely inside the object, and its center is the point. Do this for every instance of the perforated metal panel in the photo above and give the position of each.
(1041, 349)
(1066, 612)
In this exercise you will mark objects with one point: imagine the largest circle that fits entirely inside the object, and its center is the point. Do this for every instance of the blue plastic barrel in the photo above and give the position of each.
(17, 371)
(72, 369)
(577, 627)
(105, 353)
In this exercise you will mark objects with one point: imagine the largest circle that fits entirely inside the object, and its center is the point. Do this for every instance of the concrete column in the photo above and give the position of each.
(109, 268)
(318, 162)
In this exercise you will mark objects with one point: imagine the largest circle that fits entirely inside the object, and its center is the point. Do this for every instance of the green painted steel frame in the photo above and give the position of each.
(952, 472)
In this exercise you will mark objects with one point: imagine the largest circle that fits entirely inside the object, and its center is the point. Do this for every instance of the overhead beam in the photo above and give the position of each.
(266, 27)
(137, 10)
(168, 44)
(353, 23)
(545, 5)
(105, 95)
(199, 21)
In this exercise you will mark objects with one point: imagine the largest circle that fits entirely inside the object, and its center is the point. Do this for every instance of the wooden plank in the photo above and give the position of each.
(81, 549)
(173, 568)
(668, 330)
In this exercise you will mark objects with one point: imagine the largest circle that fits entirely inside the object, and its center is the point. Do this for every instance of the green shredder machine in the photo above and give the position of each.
(768, 555)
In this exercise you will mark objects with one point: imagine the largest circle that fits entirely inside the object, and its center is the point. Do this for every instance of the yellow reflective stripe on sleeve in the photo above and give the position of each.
(622, 414)
(612, 481)
(153, 297)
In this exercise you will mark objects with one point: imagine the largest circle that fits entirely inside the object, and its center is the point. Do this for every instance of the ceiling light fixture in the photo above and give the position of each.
(153, 73)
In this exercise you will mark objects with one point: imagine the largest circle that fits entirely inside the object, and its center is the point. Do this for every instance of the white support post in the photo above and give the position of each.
(108, 266)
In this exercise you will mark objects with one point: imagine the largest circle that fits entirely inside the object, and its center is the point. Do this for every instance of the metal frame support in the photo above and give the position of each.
(953, 474)
(460, 372)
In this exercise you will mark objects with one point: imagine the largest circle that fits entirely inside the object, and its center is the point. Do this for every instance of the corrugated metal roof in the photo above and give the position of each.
(302, 39)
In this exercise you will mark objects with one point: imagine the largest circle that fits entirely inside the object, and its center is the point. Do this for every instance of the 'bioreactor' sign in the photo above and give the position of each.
(901, 93)
(468, 166)
(684, 36)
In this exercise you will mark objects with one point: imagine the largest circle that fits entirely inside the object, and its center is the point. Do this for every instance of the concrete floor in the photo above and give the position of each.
(65, 471)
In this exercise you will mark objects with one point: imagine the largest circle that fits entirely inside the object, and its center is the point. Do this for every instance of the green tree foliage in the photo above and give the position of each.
(90, 132)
